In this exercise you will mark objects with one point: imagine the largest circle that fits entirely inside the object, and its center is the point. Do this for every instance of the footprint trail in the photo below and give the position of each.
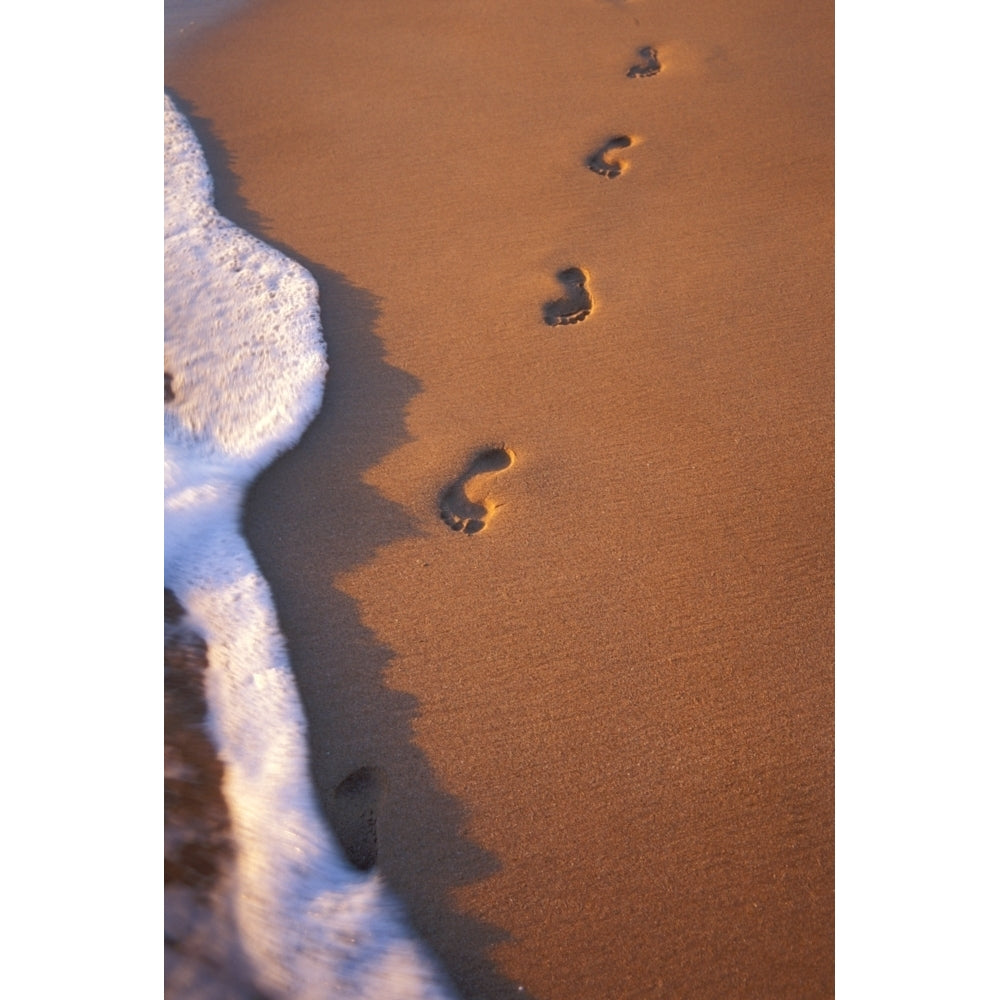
(576, 305)
(650, 67)
(466, 506)
(354, 814)
(601, 164)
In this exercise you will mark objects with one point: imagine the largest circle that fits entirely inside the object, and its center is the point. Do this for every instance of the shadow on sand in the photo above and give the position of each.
(309, 518)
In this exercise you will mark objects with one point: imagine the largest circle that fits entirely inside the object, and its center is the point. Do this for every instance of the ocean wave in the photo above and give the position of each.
(245, 363)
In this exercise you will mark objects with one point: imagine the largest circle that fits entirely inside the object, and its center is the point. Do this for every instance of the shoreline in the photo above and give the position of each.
(201, 943)
(598, 733)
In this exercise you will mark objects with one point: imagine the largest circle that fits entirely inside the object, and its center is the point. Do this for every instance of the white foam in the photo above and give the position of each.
(244, 346)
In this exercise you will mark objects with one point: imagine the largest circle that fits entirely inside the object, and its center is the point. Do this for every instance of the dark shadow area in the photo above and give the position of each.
(309, 518)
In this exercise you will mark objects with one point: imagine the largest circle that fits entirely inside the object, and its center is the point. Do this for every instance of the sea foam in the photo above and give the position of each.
(244, 349)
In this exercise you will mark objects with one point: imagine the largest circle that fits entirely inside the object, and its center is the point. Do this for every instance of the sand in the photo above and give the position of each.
(594, 724)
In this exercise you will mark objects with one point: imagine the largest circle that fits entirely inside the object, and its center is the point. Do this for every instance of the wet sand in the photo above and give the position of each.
(203, 957)
(555, 561)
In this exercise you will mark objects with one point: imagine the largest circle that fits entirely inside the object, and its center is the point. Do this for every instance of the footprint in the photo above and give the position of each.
(600, 163)
(465, 506)
(648, 68)
(354, 812)
(576, 305)
(168, 387)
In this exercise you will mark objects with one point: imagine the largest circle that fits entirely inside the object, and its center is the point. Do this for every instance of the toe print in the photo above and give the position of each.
(465, 506)
(576, 304)
(601, 163)
(650, 65)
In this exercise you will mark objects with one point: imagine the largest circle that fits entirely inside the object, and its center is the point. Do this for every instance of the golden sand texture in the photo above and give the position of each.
(594, 735)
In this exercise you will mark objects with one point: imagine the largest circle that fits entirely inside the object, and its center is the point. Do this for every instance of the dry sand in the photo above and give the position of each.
(597, 736)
